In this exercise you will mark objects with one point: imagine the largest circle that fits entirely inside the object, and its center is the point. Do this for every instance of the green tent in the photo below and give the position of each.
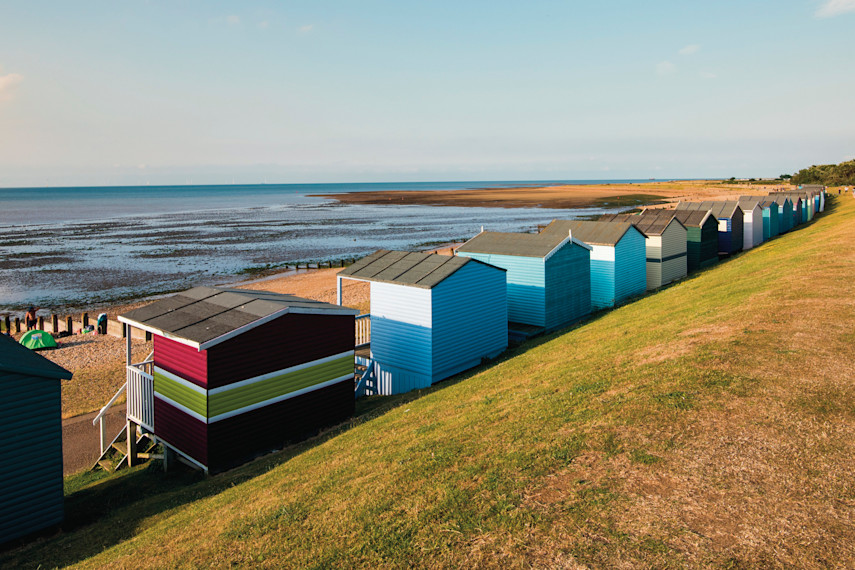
(37, 340)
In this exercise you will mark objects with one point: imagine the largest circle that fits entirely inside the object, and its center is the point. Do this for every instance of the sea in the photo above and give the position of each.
(75, 247)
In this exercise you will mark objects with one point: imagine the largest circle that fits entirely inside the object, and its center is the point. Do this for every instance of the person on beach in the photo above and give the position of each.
(30, 318)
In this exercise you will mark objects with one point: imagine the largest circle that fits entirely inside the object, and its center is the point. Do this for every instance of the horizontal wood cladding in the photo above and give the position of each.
(182, 431)
(287, 341)
(240, 438)
(31, 498)
(182, 360)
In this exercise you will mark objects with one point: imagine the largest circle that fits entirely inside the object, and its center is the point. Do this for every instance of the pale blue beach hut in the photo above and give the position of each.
(548, 279)
(432, 316)
(618, 259)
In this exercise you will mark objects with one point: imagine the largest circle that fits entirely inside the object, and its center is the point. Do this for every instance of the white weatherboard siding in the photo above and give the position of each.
(673, 252)
(752, 227)
(401, 328)
(653, 251)
(602, 276)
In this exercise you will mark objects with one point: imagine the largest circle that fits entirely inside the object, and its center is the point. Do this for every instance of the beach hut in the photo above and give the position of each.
(701, 237)
(548, 275)
(236, 373)
(752, 222)
(771, 217)
(432, 316)
(618, 263)
(31, 496)
(730, 222)
(785, 212)
(665, 244)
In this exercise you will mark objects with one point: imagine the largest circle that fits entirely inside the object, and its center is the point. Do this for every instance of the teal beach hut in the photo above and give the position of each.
(31, 499)
(432, 316)
(785, 212)
(549, 275)
(618, 266)
(771, 218)
(701, 237)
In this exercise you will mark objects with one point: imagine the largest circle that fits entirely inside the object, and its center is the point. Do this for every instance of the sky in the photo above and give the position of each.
(175, 92)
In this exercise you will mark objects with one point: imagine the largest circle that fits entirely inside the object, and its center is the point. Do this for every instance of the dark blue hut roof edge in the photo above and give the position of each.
(203, 317)
(21, 360)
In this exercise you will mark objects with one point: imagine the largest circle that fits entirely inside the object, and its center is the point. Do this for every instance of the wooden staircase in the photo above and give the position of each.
(117, 454)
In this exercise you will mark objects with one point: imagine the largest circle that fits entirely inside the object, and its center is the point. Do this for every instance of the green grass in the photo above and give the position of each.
(709, 424)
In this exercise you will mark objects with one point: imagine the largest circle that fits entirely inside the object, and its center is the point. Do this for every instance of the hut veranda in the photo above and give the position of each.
(432, 316)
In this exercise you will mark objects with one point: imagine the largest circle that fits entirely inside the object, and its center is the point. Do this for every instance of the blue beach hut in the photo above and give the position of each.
(618, 266)
(432, 316)
(730, 223)
(785, 211)
(548, 275)
(771, 218)
(31, 499)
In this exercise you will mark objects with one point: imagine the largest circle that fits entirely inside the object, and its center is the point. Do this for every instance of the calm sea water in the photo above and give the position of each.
(75, 246)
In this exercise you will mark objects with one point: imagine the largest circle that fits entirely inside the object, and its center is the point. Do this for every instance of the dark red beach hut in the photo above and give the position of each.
(236, 373)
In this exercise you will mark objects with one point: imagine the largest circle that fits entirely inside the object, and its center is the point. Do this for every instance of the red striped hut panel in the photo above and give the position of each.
(182, 431)
(287, 341)
(242, 437)
(182, 360)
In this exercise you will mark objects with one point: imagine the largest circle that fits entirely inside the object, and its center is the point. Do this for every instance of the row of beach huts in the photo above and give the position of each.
(235, 373)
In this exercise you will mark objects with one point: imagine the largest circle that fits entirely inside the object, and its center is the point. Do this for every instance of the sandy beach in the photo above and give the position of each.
(567, 196)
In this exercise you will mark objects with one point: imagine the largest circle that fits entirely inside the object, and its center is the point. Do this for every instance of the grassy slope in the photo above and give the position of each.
(712, 423)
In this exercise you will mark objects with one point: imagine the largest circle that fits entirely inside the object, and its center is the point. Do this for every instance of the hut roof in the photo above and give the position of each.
(750, 202)
(425, 270)
(541, 245)
(720, 209)
(780, 199)
(203, 317)
(650, 222)
(19, 359)
(599, 233)
(692, 218)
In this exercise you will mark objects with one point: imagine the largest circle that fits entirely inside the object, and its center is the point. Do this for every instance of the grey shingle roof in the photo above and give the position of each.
(692, 218)
(424, 270)
(524, 245)
(720, 209)
(650, 222)
(599, 232)
(19, 359)
(206, 316)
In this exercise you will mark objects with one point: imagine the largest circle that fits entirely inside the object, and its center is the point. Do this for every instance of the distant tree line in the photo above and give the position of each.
(842, 174)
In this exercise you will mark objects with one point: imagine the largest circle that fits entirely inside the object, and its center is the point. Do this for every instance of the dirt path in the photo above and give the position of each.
(81, 441)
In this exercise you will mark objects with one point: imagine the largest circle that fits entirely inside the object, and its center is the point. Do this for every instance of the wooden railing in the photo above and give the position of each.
(363, 330)
(140, 388)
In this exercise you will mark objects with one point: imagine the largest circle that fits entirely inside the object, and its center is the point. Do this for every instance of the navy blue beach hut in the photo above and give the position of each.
(730, 223)
(432, 316)
(618, 266)
(548, 276)
(31, 497)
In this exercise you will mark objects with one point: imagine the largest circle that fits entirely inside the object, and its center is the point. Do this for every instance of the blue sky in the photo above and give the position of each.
(209, 92)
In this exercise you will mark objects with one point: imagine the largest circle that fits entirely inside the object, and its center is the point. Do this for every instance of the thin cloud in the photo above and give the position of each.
(707, 75)
(833, 8)
(664, 68)
(690, 49)
(306, 29)
(233, 20)
(8, 83)
(263, 25)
